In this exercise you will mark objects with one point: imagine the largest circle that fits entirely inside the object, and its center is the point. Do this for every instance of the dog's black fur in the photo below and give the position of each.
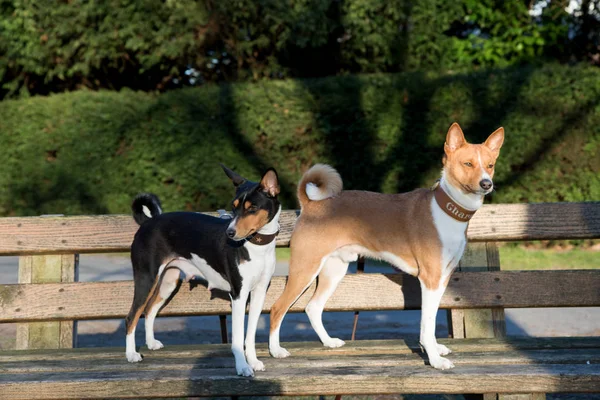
(179, 234)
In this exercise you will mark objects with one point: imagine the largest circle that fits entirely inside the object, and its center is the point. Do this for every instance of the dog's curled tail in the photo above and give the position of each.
(145, 206)
(320, 182)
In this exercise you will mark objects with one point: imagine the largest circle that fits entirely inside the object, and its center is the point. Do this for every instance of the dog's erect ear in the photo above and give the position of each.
(455, 139)
(270, 182)
(494, 142)
(235, 178)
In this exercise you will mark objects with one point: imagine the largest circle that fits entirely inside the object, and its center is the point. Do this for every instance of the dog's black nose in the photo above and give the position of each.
(485, 184)
(230, 232)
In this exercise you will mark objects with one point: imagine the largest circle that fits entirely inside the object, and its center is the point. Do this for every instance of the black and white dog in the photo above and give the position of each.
(234, 255)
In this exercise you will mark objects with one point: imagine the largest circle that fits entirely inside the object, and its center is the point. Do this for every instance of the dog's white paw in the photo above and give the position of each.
(134, 357)
(244, 369)
(155, 345)
(334, 342)
(443, 350)
(441, 363)
(256, 365)
(279, 352)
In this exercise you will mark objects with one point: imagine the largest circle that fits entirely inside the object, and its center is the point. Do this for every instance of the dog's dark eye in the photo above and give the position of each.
(468, 164)
(252, 209)
(490, 166)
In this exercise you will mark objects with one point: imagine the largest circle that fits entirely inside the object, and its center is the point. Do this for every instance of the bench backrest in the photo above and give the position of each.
(489, 288)
(114, 233)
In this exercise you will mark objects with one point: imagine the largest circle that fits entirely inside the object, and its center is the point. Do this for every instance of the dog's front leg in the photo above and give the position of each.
(238, 312)
(257, 300)
(430, 303)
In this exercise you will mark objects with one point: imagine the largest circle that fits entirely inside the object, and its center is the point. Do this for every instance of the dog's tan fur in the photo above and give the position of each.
(250, 223)
(398, 225)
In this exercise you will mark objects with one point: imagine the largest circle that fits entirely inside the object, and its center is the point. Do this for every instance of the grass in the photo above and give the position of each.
(283, 253)
(522, 258)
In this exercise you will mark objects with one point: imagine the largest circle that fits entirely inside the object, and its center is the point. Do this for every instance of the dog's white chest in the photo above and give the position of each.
(261, 265)
(452, 237)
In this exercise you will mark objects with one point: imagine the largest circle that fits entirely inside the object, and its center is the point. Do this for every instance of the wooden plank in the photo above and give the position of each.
(352, 378)
(499, 330)
(47, 334)
(364, 292)
(484, 323)
(481, 323)
(106, 233)
(323, 360)
(87, 234)
(537, 221)
(312, 349)
(498, 318)
(529, 396)
(477, 323)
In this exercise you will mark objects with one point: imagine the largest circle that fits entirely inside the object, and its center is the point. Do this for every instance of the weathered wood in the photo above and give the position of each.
(541, 221)
(541, 364)
(313, 349)
(318, 376)
(106, 233)
(476, 323)
(354, 379)
(87, 234)
(529, 396)
(498, 317)
(150, 362)
(484, 323)
(48, 334)
(365, 292)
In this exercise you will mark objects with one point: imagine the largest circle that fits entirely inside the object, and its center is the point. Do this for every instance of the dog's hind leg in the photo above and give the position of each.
(168, 282)
(330, 276)
(144, 286)
(303, 271)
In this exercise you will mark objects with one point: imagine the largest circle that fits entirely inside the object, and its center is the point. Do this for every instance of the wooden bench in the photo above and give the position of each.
(49, 299)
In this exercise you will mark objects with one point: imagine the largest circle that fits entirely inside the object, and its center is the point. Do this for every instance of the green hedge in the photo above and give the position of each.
(91, 152)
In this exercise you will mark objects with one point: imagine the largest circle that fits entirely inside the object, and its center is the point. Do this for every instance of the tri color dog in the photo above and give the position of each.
(233, 255)
(422, 233)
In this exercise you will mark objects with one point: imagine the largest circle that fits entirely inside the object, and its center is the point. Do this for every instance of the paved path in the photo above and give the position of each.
(372, 325)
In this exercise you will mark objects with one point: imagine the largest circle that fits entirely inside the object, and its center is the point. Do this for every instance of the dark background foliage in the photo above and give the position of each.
(91, 152)
(49, 46)
(103, 99)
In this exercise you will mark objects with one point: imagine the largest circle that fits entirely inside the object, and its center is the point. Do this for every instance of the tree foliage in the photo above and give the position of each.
(49, 46)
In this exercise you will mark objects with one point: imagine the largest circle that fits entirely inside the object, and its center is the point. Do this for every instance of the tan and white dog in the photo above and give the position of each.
(422, 233)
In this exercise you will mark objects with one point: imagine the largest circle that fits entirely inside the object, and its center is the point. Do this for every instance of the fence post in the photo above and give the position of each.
(483, 323)
(47, 269)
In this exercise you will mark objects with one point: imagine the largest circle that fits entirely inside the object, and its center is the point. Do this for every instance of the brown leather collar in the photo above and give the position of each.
(450, 206)
(262, 240)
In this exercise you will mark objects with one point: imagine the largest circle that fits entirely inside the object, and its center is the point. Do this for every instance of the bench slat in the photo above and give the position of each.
(311, 349)
(151, 363)
(201, 372)
(113, 233)
(365, 292)
(353, 379)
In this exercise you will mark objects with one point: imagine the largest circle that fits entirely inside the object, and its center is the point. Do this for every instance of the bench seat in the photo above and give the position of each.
(49, 301)
(525, 365)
